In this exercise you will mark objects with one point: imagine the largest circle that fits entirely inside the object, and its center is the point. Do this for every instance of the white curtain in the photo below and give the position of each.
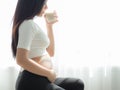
(87, 42)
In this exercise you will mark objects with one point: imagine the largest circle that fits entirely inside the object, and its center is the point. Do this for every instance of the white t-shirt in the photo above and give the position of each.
(32, 38)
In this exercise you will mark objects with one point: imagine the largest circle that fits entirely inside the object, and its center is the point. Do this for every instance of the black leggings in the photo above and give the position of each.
(29, 81)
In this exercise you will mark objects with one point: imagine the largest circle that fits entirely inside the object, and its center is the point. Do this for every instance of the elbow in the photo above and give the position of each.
(21, 61)
(51, 53)
(21, 57)
(18, 60)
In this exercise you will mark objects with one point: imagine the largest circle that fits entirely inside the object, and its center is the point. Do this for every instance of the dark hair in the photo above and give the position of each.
(25, 9)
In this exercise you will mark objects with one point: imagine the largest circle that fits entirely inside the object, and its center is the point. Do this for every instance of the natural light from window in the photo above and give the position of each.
(87, 34)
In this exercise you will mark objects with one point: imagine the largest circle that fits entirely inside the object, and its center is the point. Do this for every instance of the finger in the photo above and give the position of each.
(55, 14)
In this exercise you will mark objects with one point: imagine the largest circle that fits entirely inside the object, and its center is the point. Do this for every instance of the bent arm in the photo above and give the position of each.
(29, 64)
(51, 47)
(49, 25)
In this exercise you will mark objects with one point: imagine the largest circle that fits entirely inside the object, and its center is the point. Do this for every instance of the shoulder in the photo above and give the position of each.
(27, 25)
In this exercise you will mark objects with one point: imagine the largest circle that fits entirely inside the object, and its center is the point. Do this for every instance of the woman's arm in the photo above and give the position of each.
(51, 47)
(32, 66)
(49, 25)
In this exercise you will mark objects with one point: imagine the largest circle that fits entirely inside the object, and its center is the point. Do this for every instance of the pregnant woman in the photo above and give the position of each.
(33, 49)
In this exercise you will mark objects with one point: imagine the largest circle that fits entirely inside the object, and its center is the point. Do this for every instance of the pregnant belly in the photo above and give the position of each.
(44, 61)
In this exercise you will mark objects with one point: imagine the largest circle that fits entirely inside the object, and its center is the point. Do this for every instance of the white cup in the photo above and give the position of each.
(50, 17)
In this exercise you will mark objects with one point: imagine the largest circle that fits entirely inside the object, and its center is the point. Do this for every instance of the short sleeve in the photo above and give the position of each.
(26, 35)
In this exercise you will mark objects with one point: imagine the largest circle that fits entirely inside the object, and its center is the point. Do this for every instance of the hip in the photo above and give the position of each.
(30, 81)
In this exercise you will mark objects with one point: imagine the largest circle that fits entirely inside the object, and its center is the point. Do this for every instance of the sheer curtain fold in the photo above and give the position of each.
(99, 78)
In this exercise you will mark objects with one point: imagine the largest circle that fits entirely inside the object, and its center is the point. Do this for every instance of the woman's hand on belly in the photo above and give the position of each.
(52, 76)
(46, 62)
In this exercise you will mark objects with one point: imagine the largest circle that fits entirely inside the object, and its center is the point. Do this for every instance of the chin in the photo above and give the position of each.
(41, 14)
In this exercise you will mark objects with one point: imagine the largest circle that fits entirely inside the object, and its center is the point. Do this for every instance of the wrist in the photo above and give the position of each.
(49, 26)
